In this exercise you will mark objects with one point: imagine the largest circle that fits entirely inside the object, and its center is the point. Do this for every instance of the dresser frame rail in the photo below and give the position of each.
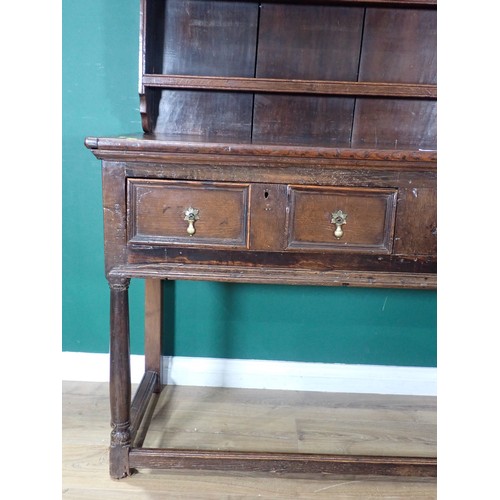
(269, 462)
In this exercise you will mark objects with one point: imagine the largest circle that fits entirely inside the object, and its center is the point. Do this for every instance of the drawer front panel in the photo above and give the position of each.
(159, 213)
(368, 225)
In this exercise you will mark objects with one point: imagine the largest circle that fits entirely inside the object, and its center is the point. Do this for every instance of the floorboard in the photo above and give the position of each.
(248, 419)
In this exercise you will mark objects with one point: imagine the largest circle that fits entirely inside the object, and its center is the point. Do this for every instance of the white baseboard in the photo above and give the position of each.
(261, 374)
(94, 367)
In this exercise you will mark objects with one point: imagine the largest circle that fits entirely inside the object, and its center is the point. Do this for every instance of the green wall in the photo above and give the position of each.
(354, 325)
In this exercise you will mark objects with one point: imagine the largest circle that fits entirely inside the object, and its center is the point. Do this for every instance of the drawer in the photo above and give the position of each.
(363, 219)
(187, 213)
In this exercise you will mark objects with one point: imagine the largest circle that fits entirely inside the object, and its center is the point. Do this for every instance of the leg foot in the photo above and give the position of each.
(118, 462)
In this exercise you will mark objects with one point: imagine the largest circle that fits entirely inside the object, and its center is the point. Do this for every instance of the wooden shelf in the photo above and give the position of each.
(347, 73)
(405, 3)
(291, 86)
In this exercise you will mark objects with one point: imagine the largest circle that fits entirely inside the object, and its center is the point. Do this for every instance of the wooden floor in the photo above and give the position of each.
(247, 419)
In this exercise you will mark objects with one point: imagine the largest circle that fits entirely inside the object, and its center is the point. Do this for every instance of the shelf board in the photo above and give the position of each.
(239, 84)
(404, 3)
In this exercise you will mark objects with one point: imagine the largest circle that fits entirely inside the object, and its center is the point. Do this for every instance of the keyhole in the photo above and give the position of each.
(266, 194)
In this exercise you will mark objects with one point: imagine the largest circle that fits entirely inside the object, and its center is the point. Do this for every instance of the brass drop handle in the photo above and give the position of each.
(191, 216)
(339, 218)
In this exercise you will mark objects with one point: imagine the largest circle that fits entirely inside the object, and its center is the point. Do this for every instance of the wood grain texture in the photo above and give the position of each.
(153, 316)
(85, 428)
(150, 381)
(216, 38)
(205, 114)
(157, 213)
(149, 101)
(369, 222)
(416, 225)
(309, 42)
(286, 463)
(216, 271)
(166, 148)
(268, 210)
(296, 86)
(306, 42)
(395, 123)
(119, 377)
(318, 265)
(208, 38)
(399, 45)
(114, 214)
(150, 35)
(306, 120)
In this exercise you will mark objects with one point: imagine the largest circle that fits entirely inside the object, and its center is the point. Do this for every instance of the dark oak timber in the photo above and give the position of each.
(295, 86)
(153, 316)
(141, 400)
(235, 274)
(288, 142)
(119, 378)
(284, 463)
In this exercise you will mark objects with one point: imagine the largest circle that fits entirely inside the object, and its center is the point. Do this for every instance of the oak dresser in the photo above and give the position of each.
(288, 142)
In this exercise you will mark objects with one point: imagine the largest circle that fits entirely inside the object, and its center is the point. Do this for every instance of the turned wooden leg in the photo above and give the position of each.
(119, 382)
(153, 328)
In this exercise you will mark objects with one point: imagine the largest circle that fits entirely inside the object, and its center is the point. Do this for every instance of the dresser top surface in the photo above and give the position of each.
(161, 143)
